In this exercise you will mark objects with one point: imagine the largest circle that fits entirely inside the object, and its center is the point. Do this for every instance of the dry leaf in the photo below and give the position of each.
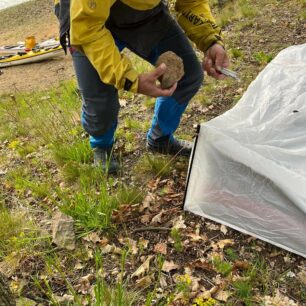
(122, 102)
(104, 241)
(143, 268)
(275, 253)
(157, 218)
(169, 266)
(288, 259)
(218, 280)
(201, 264)
(205, 295)
(179, 223)
(222, 296)
(162, 282)
(223, 229)
(132, 244)
(221, 244)
(111, 249)
(214, 290)
(278, 300)
(122, 214)
(194, 237)
(146, 202)
(179, 300)
(66, 299)
(143, 243)
(195, 284)
(242, 265)
(92, 237)
(79, 266)
(160, 248)
(144, 282)
(85, 284)
(211, 226)
(290, 274)
(153, 184)
(145, 219)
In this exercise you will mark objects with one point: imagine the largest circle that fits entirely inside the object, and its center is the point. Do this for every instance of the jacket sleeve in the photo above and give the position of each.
(89, 34)
(195, 17)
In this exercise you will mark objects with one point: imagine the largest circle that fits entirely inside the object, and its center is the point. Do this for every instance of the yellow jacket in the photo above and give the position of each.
(88, 33)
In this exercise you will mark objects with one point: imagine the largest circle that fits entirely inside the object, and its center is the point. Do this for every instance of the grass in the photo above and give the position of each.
(231, 254)
(160, 166)
(177, 239)
(17, 233)
(48, 162)
(236, 53)
(78, 151)
(236, 11)
(129, 195)
(263, 58)
(90, 212)
(103, 294)
(223, 267)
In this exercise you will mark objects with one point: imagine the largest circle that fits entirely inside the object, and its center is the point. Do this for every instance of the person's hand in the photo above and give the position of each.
(147, 83)
(215, 59)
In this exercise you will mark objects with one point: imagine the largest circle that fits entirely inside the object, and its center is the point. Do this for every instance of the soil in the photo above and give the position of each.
(40, 22)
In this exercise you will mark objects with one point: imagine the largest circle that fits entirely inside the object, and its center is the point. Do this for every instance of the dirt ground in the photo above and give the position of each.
(44, 75)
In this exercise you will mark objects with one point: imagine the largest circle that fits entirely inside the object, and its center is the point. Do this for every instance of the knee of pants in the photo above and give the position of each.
(98, 115)
(189, 85)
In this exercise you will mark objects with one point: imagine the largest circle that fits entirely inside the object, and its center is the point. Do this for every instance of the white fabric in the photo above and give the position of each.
(249, 167)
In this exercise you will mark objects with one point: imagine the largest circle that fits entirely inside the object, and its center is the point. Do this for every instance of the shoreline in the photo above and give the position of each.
(33, 18)
(11, 5)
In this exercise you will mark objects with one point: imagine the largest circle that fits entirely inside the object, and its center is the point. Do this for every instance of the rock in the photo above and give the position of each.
(174, 71)
(63, 232)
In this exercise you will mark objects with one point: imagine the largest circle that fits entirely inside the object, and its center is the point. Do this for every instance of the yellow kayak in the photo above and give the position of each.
(30, 57)
(21, 46)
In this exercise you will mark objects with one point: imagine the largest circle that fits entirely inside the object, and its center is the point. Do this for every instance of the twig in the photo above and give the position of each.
(151, 228)
(153, 214)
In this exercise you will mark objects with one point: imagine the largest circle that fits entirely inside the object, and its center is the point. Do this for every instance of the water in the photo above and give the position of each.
(7, 3)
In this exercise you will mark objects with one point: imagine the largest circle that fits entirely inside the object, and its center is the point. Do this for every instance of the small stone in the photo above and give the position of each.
(63, 232)
(174, 71)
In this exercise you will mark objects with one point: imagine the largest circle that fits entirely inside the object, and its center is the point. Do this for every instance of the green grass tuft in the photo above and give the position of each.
(263, 58)
(78, 151)
(176, 236)
(223, 267)
(154, 165)
(16, 233)
(90, 212)
(129, 195)
(236, 53)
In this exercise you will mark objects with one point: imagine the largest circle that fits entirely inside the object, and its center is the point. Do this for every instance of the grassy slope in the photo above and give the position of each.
(45, 164)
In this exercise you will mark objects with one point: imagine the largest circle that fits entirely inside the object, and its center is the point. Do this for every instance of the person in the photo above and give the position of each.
(97, 31)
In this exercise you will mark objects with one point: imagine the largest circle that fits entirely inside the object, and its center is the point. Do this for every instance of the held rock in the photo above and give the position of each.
(174, 71)
(63, 232)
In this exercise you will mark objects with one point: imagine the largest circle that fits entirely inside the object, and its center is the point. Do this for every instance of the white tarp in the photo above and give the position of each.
(249, 165)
